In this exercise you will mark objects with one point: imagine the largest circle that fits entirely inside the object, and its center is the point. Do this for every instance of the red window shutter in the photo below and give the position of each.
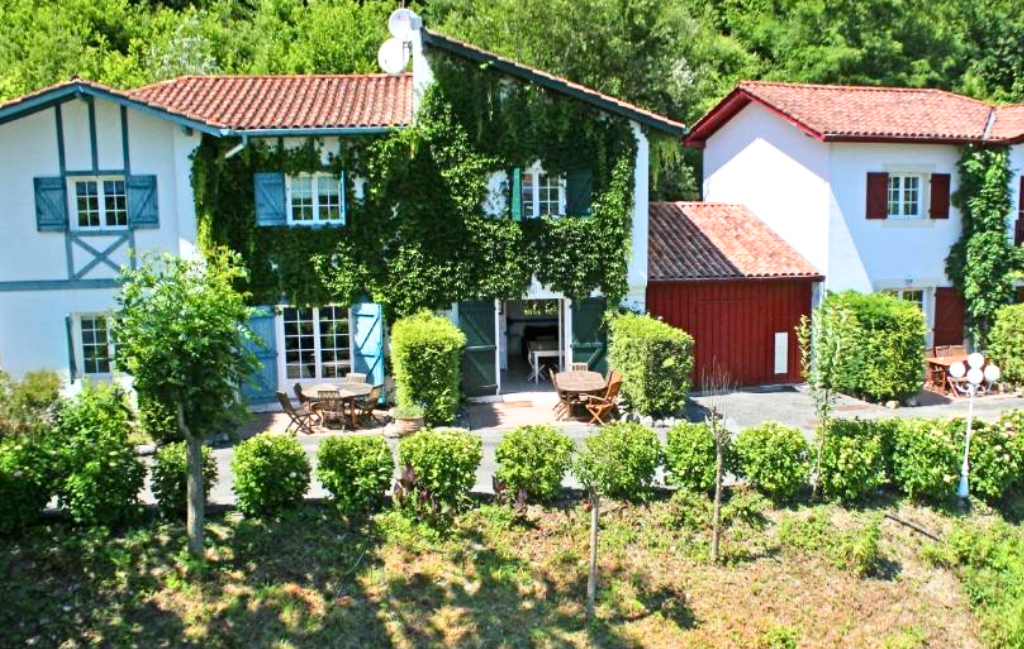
(878, 195)
(940, 196)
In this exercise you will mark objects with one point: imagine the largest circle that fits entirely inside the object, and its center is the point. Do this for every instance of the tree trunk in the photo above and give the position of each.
(592, 577)
(196, 503)
(716, 517)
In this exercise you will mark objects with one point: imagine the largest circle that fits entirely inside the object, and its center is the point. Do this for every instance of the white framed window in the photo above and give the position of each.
(314, 199)
(317, 342)
(542, 194)
(95, 348)
(98, 202)
(915, 295)
(906, 196)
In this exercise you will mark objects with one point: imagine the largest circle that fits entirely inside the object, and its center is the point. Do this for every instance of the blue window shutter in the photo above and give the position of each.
(143, 211)
(51, 204)
(368, 337)
(517, 194)
(262, 385)
(72, 363)
(579, 188)
(270, 202)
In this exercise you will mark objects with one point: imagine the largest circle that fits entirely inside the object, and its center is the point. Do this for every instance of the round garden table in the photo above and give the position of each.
(347, 392)
(580, 382)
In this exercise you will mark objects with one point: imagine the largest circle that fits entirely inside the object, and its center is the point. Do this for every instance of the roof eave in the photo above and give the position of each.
(311, 132)
(740, 278)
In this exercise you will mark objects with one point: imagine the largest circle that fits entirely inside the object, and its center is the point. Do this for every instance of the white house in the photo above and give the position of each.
(92, 173)
(858, 180)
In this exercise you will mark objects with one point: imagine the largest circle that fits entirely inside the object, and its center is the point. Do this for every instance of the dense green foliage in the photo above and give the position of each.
(774, 459)
(27, 468)
(271, 473)
(852, 459)
(28, 403)
(983, 264)
(439, 468)
(620, 461)
(533, 459)
(855, 550)
(1006, 343)
(926, 458)
(655, 360)
(690, 457)
(169, 477)
(426, 353)
(99, 475)
(356, 471)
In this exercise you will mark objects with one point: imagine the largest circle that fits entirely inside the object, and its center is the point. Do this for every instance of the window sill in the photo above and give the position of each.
(315, 224)
(899, 223)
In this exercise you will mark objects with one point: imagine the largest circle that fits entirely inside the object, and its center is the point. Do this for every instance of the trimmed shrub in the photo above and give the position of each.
(1006, 343)
(439, 466)
(1012, 423)
(26, 481)
(533, 459)
(996, 461)
(169, 477)
(852, 459)
(426, 351)
(774, 459)
(271, 473)
(655, 360)
(926, 459)
(620, 461)
(356, 471)
(886, 356)
(100, 476)
(690, 457)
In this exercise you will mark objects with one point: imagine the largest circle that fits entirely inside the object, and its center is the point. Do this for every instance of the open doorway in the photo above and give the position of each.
(532, 343)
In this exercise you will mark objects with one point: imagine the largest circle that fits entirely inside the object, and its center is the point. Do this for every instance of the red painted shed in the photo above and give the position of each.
(719, 273)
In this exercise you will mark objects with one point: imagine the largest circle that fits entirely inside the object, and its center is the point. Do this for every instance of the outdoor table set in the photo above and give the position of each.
(344, 402)
(336, 401)
(599, 396)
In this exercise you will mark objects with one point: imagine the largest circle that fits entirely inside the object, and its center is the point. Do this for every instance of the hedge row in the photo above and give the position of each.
(655, 360)
(1006, 343)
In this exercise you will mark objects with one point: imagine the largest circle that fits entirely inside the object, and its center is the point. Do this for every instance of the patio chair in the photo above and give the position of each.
(299, 419)
(601, 407)
(942, 351)
(366, 406)
(580, 367)
(957, 350)
(353, 377)
(566, 401)
(331, 406)
(299, 394)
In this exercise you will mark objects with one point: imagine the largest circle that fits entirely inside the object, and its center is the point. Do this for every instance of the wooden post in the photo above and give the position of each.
(716, 520)
(592, 577)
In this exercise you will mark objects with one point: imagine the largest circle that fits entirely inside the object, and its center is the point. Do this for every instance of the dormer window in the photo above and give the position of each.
(543, 193)
(904, 196)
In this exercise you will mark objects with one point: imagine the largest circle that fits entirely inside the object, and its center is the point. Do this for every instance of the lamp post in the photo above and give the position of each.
(976, 375)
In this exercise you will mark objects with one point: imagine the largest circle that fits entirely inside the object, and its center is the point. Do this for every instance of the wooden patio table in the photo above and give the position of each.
(939, 365)
(575, 383)
(348, 392)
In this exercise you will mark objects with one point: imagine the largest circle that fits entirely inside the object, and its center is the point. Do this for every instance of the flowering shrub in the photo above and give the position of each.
(997, 455)
(774, 459)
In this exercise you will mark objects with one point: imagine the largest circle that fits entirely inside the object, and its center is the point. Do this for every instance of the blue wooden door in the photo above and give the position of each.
(368, 341)
(262, 385)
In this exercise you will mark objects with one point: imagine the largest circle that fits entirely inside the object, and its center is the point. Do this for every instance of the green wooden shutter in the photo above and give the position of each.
(579, 189)
(270, 200)
(142, 202)
(589, 334)
(51, 204)
(262, 385)
(517, 195)
(479, 360)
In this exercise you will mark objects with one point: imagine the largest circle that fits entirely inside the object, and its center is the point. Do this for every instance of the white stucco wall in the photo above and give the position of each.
(778, 172)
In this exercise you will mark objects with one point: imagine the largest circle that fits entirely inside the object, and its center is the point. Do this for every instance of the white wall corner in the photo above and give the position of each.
(422, 75)
(637, 274)
(184, 146)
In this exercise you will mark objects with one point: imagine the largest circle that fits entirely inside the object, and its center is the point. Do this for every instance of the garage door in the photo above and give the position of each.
(744, 329)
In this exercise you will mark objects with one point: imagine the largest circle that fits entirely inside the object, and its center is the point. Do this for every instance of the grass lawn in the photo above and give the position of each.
(305, 580)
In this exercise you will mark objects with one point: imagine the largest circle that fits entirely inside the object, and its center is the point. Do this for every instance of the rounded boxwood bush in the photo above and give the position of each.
(655, 360)
(926, 459)
(271, 473)
(440, 465)
(26, 481)
(426, 355)
(774, 458)
(534, 459)
(852, 459)
(169, 477)
(100, 476)
(690, 456)
(620, 461)
(356, 471)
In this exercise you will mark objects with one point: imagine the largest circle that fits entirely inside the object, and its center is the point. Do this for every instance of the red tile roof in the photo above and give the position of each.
(1008, 124)
(285, 101)
(866, 113)
(703, 241)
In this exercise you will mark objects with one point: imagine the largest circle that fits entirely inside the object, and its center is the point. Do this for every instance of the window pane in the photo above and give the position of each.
(302, 198)
(894, 196)
(527, 194)
(299, 344)
(548, 187)
(328, 198)
(335, 358)
(87, 203)
(115, 203)
(95, 348)
(911, 195)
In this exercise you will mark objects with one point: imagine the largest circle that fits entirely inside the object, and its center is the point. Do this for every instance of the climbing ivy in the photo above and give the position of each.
(419, 236)
(984, 264)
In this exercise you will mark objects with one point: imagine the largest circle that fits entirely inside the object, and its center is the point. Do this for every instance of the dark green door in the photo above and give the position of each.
(589, 334)
(479, 362)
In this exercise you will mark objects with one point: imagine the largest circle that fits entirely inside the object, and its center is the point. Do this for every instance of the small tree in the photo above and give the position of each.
(181, 334)
(716, 385)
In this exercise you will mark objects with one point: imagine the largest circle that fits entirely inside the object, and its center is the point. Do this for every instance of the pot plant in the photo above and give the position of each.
(408, 419)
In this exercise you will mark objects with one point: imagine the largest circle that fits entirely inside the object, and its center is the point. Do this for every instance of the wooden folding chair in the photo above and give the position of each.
(331, 406)
(367, 405)
(354, 377)
(600, 407)
(301, 419)
(580, 367)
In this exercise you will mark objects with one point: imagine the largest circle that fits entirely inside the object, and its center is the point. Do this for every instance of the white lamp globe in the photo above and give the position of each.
(402, 23)
(957, 370)
(975, 376)
(976, 360)
(992, 373)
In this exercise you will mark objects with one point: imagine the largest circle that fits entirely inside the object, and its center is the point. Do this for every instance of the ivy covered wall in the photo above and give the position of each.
(419, 236)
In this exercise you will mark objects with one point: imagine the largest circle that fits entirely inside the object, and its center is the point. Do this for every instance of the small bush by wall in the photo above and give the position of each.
(852, 459)
(926, 460)
(774, 459)
(100, 477)
(439, 467)
(356, 471)
(271, 473)
(533, 459)
(1006, 343)
(620, 461)
(426, 352)
(26, 481)
(690, 457)
(170, 477)
(655, 360)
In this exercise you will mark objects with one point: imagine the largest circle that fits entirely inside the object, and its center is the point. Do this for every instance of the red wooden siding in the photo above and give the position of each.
(949, 317)
(734, 324)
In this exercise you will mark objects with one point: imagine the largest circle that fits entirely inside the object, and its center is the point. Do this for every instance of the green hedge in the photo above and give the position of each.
(170, 477)
(885, 359)
(426, 352)
(690, 457)
(439, 467)
(926, 458)
(655, 360)
(271, 473)
(26, 482)
(356, 471)
(620, 461)
(533, 459)
(1006, 343)
(775, 459)
(853, 461)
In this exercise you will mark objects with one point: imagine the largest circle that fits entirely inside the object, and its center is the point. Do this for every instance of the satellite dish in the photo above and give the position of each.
(393, 56)
(402, 23)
